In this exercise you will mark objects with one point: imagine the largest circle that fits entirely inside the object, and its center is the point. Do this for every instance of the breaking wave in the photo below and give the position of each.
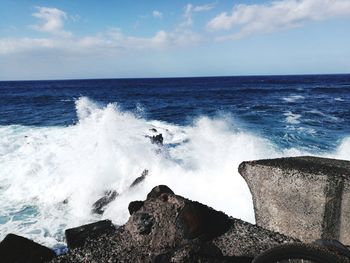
(51, 176)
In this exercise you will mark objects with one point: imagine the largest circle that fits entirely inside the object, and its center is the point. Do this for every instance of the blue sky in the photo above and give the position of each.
(64, 39)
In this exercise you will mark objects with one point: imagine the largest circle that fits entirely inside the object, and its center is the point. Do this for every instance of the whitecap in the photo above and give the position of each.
(292, 118)
(293, 98)
(327, 116)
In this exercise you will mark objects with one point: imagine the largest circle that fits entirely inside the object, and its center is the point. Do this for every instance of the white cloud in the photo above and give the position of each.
(161, 39)
(51, 21)
(16, 45)
(157, 14)
(111, 41)
(277, 15)
(107, 42)
(202, 8)
(190, 9)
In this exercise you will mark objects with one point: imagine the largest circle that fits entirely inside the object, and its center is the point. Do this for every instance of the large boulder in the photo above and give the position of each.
(17, 249)
(304, 197)
(166, 227)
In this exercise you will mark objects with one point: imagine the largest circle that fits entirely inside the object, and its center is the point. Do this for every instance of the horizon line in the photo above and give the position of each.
(179, 77)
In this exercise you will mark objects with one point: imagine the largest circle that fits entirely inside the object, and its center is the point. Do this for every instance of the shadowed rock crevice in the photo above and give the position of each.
(135, 206)
(196, 220)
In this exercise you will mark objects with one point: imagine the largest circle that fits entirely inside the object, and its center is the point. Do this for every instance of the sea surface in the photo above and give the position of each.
(64, 143)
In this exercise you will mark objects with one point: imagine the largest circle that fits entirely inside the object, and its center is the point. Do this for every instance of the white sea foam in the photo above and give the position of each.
(292, 118)
(343, 151)
(327, 116)
(107, 149)
(338, 99)
(293, 98)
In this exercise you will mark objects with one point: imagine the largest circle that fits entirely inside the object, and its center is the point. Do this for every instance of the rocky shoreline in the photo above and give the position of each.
(170, 228)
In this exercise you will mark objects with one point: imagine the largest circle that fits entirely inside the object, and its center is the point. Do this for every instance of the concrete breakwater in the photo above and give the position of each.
(295, 199)
(304, 197)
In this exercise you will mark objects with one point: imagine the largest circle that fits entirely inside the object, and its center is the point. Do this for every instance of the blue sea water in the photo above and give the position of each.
(74, 139)
(304, 111)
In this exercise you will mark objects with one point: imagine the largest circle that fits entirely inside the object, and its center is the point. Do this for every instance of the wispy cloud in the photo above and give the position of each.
(162, 39)
(206, 7)
(157, 14)
(278, 15)
(190, 9)
(51, 21)
(110, 42)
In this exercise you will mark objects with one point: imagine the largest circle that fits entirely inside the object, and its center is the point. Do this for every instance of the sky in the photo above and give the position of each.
(74, 39)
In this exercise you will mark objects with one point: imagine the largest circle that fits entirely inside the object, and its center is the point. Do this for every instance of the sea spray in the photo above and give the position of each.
(51, 176)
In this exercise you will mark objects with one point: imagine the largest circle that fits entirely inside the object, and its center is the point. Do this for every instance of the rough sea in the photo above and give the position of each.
(64, 143)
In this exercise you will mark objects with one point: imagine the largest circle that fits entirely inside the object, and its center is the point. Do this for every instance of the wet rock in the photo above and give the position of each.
(76, 237)
(139, 179)
(100, 205)
(17, 249)
(157, 139)
(153, 130)
(135, 206)
(158, 190)
(304, 197)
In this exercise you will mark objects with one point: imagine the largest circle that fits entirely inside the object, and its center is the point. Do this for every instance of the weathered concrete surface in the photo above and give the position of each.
(303, 197)
(169, 228)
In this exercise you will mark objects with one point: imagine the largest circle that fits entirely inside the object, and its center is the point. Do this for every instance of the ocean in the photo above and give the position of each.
(63, 144)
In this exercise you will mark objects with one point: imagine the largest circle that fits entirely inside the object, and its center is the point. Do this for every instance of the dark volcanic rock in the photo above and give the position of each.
(191, 253)
(248, 240)
(144, 223)
(169, 227)
(198, 220)
(158, 190)
(134, 206)
(76, 237)
(100, 205)
(198, 253)
(139, 179)
(157, 139)
(17, 249)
